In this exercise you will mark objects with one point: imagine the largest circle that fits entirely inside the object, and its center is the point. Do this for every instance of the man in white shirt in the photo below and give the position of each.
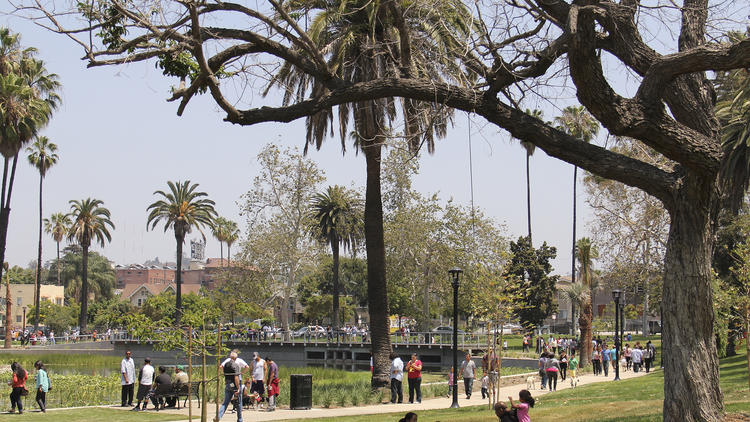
(127, 379)
(239, 361)
(145, 379)
(397, 375)
(468, 373)
(259, 371)
(637, 356)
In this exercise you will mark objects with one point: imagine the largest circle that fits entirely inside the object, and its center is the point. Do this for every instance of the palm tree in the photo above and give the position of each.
(337, 220)
(57, 225)
(181, 209)
(91, 222)
(232, 234)
(586, 253)
(362, 43)
(530, 148)
(27, 99)
(42, 155)
(578, 123)
(219, 230)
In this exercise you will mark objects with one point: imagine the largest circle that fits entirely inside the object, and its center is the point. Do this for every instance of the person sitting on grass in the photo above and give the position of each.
(503, 414)
(409, 417)
(522, 408)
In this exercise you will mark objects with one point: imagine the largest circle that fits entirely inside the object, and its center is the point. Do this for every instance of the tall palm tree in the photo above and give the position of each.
(182, 209)
(57, 225)
(42, 155)
(219, 231)
(232, 234)
(91, 222)
(530, 148)
(337, 220)
(586, 253)
(578, 123)
(27, 99)
(363, 42)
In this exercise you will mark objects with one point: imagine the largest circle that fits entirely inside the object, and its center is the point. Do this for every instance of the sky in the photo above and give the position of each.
(120, 140)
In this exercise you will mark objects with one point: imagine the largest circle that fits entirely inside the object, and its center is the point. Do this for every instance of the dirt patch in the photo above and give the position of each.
(737, 417)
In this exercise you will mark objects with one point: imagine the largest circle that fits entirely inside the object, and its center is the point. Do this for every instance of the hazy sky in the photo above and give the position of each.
(119, 140)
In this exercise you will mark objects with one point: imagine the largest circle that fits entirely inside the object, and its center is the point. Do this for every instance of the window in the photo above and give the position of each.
(19, 301)
(18, 318)
(140, 302)
(58, 301)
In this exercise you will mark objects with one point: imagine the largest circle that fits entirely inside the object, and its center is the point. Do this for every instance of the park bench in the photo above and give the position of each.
(183, 391)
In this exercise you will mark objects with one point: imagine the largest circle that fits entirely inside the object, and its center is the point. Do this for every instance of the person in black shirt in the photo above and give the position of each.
(231, 386)
(162, 386)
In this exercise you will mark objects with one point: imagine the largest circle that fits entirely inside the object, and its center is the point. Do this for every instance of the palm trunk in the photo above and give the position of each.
(586, 334)
(335, 250)
(38, 288)
(82, 319)
(8, 314)
(180, 237)
(691, 391)
(528, 197)
(376, 284)
(221, 249)
(7, 190)
(229, 254)
(58, 265)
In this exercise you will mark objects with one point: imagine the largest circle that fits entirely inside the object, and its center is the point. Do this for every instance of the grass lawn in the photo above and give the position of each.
(90, 415)
(638, 399)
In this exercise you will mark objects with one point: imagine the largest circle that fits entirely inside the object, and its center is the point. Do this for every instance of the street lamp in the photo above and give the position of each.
(616, 295)
(455, 272)
(554, 319)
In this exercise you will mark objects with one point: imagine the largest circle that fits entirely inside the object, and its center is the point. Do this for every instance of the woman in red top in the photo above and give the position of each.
(19, 385)
(414, 368)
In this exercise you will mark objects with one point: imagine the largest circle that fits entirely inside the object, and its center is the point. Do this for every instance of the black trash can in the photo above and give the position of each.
(300, 391)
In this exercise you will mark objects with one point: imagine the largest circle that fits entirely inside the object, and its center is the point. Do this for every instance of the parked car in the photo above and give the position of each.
(444, 329)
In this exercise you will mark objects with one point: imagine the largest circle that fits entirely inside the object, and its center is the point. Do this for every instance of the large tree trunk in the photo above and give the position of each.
(377, 295)
(8, 313)
(335, 250)
(82, 319)
(180, 237)
(285, 316)
(38, 286)
(691, 375)
(586, 345)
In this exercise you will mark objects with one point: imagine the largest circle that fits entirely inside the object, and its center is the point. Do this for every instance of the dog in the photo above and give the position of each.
(574, 382)
(531, 382)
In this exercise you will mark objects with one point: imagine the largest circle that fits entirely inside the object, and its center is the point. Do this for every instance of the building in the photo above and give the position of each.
(137, 294)
(22, 297)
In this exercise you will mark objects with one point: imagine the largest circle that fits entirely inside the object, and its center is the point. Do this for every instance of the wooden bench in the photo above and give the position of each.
(182, 391)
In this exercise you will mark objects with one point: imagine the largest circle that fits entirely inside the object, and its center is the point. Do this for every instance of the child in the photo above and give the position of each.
(522, 408)
(573, 368)
(503, 414)
(450, 382)
(485, 385)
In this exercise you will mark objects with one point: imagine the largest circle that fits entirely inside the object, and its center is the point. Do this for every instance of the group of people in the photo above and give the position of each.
(19, 389)
(413, 370)
(264, 376)
(159, 387)
(551, 367)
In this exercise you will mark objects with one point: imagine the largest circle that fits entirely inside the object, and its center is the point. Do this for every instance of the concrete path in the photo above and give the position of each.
(429, 404)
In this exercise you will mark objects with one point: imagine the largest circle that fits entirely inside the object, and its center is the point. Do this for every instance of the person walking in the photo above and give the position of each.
(414, 377)
(397, 375)
(42, 385)
(563, 365)
(259, 372)
(606, 358)
(542, 372)
(468, 373)
(127, 379)
(573, 366)
(18, 385)
(596, 360)
(648, 355)
(525, 401)
(552, 367)
(145, 380)
(231, 386)
(637, 357)
(272, 383)
(628, 353)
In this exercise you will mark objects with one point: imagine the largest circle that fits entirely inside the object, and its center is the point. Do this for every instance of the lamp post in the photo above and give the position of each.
(455, 273)
(616, 294)
(23, 328)
(554, 323)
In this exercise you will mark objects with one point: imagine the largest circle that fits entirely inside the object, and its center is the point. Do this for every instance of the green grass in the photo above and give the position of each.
(61, 359)
(90, 415)
(637, 399)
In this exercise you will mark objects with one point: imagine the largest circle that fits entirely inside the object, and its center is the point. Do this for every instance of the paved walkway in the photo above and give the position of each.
(429, 404)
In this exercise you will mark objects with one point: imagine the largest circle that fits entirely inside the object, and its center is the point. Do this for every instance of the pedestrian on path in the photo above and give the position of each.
(563, 365)
(485, 386)
(648, 355)
(272, 383)
(260, 367)
(414, 377)
(637, 357)
(42, 385)
(573, 366)
(542, 372)
(127, 379)
(606, 357)
(397, 375)
(552, 367)
(231, 387)
(468, 373)
(145, 380)
(18, 384)
(525, 401)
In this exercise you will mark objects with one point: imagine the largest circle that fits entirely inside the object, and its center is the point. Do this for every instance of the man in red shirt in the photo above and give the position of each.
(414, 369)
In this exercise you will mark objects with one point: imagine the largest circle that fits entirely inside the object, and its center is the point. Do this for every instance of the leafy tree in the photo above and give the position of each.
(19, 275)
(28, 96)
(57, 225)
(586, 253)
(531, 269)
(318, 308)
(242, 292)
(101, 276)
(109, 313)
(91, 222)
(58, 318)
(182, 209)
(277, 208)
(337, 220)
(499, 69)
(42, 155)
(352, 276)
(581, 125)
